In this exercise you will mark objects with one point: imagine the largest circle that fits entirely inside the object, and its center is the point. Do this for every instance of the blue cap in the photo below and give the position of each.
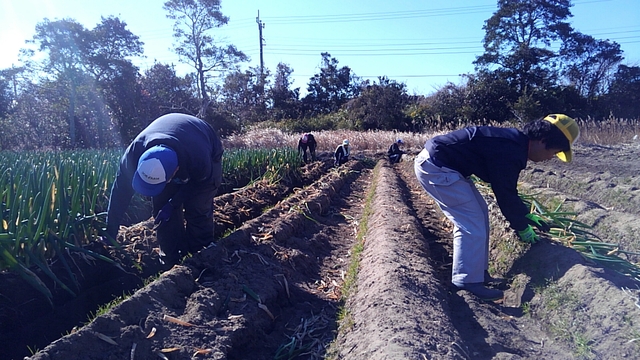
(155, 167)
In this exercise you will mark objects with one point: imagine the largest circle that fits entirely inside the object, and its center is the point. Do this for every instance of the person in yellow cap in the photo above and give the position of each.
(497, 156)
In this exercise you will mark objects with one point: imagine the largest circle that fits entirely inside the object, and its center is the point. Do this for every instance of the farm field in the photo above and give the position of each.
(272, 287)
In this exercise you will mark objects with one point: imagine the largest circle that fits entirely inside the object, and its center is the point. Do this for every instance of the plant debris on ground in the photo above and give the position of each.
(274, 286)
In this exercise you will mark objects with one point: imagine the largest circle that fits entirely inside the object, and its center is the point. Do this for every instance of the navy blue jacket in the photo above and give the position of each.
(311, 143)
(495, 155)
(199, 153)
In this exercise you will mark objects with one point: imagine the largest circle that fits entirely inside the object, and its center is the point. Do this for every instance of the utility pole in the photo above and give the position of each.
(261, 80)
(260, 27)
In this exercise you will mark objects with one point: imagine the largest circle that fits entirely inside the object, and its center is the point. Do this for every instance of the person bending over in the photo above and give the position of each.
(177, 161)
(496, 156)
(307, 141)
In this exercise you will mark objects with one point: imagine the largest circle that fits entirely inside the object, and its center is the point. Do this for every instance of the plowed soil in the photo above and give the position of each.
(273, 286)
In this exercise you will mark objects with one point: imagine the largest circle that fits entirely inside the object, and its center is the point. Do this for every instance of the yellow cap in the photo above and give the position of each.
(569, 128)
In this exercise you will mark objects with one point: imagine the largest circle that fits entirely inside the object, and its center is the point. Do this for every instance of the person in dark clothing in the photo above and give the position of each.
(341, 154)
(394, 152)
(177, 161)
(307, 141)
(496, 156)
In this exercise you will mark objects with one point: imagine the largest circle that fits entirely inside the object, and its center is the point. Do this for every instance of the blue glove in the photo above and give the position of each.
(528, 235)
(538, 222)
(164, 214)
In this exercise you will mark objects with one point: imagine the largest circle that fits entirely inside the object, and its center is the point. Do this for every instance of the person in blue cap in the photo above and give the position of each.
(497, 156)
(177, 161)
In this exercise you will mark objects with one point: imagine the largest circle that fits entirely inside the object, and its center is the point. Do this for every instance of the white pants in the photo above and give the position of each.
(462, 203)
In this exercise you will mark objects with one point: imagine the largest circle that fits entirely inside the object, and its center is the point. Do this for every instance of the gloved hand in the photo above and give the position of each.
(164, 214)
(104, 240)
(528, 235)
(538, 222)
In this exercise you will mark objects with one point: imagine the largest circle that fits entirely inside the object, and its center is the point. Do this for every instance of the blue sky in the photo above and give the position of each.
(423, 43)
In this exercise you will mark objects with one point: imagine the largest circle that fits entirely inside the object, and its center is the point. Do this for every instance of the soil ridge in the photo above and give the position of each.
(228, 307)
(395, 279)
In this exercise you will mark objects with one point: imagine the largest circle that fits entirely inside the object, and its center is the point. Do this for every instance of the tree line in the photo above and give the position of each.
(78, 88)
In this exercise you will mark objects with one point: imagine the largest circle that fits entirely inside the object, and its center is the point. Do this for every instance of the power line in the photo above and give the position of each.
(285, 47)
(374, 16)
(374, 47)
(389, 76)
(351, 46)
(333, 53)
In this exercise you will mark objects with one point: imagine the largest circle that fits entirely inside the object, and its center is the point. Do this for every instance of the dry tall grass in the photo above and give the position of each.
(369, 141)
(609, 131)
(606, 132)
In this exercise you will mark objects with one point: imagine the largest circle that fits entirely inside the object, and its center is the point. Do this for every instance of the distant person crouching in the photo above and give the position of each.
(394, 152)
(342, 153)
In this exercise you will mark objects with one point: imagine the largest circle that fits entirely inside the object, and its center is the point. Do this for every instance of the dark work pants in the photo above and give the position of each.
(174, 238)
(312, 151)
(341, 159)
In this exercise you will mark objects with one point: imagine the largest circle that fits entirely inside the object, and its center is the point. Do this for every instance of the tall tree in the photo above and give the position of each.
(12, 76)
(331, 88)
(162, 92)
(242, 96)
(38, 118)
(624, 92)
(109, 46)
(122, 94)
(194, 19)
(284, 100)
(94, 67)
(518, 40)
(487, 96)
(589, 64)
(380, 106)
(443, 106)
(6, 95)
(65, 42)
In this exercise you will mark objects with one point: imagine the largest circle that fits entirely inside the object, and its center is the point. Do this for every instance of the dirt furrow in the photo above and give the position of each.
(239, 299)
(398, 306)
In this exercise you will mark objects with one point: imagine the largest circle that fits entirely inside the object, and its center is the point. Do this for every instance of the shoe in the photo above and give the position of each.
(479, 290)
(491, 281)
